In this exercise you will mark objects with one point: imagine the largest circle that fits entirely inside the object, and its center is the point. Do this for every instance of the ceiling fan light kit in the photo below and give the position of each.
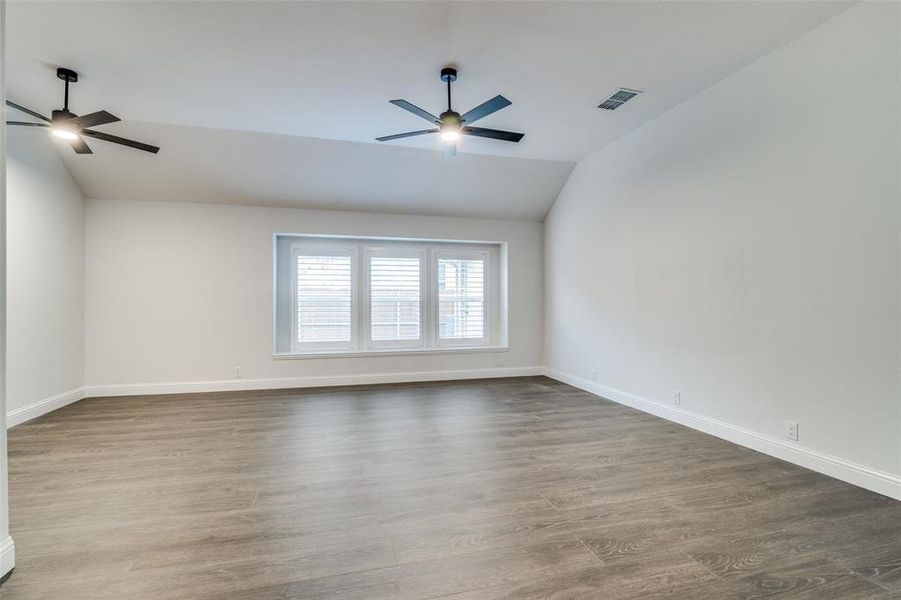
(451, 124)
(72, 128)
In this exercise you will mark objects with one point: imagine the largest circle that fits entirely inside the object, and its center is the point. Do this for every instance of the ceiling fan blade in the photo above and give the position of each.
(495, 134)
(119, 140)
(27, 124)
(80, 146)
(416, 110)
(27, 111)
(486, 108)
(397, 136)
(101, 117)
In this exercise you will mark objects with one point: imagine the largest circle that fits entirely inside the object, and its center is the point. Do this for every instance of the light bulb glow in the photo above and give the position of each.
(64, 134)
(450, 135)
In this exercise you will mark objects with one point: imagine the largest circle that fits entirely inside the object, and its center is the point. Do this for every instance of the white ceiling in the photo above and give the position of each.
(217, 165)
(327, 70)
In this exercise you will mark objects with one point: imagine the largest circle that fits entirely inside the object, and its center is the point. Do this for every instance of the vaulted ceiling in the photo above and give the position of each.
(278, 102)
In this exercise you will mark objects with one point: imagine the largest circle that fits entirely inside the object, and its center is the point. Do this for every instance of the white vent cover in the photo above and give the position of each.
(618, 98)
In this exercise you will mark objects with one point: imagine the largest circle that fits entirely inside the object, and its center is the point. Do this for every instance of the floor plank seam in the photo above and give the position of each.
(590, 551)
(703, 566)
(394, 549)
(874, 582)
(551, 504)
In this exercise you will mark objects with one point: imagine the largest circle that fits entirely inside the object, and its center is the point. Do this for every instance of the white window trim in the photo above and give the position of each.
(486, 297)
(360, 250)
(391, 352)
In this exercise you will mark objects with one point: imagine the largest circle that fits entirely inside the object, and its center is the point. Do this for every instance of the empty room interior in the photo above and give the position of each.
(375, 300)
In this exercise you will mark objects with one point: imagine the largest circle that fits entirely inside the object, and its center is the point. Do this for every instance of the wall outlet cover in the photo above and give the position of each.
(791, 430)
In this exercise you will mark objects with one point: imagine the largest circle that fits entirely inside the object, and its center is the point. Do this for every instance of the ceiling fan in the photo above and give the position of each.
(72, 128)
(451, 125)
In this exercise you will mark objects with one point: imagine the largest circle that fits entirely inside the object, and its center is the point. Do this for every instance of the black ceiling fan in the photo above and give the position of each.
(72, 128)
(451, 125)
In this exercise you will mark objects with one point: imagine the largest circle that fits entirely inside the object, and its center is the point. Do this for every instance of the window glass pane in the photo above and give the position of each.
(324, 299)
(395, 298)
(461, 298)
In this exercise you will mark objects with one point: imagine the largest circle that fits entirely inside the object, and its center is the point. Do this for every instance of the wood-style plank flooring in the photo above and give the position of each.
(480, 490)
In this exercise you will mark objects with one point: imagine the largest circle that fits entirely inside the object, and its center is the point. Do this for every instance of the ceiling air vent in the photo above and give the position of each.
(619, 98)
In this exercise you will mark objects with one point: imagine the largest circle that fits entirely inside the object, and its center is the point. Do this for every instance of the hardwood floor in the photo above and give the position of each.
(516, 488)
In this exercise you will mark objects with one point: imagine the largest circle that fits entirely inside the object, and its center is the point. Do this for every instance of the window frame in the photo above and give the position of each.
(473, 254)
(301, 249)
(288, 246)
(394, 252)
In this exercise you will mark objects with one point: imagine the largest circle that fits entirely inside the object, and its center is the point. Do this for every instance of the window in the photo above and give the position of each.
(461, 299)
(344, 295)
(395, 299)
(323, 301)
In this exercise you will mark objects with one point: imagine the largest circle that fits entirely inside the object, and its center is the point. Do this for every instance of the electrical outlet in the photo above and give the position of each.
(238, 373)
(677, 397)
(594, 375)
(791, 430)
(499, 362)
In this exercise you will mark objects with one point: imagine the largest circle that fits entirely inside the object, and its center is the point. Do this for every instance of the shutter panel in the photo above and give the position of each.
(324, 298)
(461, 299)
(395, 299)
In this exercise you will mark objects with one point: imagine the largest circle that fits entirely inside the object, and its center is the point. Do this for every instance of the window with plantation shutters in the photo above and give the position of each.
(395, 299)
(345, 296)
(324, 299)
(461, 299)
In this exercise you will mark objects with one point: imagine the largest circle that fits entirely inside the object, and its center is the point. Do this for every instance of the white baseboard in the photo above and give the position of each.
(881, 482)
(42, 407)
(7, 556)
(860, 475)
(225, 385)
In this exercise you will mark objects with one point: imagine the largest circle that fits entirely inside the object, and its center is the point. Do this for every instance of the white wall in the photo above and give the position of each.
(181, 293)
(7, 548)
(45, 276)
(744, 248)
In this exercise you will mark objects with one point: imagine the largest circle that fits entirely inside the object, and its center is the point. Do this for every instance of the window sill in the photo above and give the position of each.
(391, 352)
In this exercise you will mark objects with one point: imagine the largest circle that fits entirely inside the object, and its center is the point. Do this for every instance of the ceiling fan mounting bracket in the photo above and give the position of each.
(67, 75)
(448, 74)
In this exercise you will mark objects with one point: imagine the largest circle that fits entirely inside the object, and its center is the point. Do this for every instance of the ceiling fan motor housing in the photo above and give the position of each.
(450, 117)
(61, 115)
